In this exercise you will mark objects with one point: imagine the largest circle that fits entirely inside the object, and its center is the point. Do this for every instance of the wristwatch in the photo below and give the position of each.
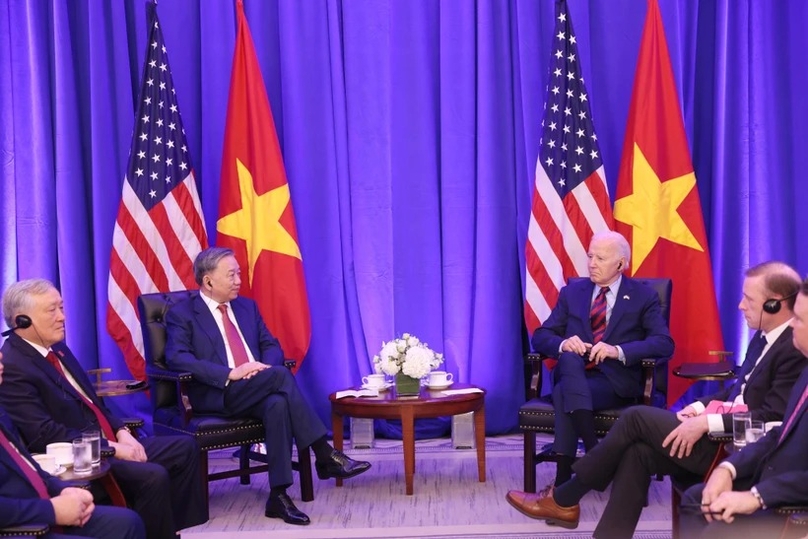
(758, 497)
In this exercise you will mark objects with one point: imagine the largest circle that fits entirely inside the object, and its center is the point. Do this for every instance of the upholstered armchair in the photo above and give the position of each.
(173, 413)
(538, 414)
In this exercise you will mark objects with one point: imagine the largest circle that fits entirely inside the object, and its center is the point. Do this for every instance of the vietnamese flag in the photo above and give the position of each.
(657, 204)
(255, 207)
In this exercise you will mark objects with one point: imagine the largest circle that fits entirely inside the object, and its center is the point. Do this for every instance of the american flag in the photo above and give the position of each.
(571, 199)
(160, 228)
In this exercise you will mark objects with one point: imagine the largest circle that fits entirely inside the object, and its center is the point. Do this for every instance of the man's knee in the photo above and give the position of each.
(154, 478)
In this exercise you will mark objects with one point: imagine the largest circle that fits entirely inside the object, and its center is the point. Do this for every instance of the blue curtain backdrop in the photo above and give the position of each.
(410, 131)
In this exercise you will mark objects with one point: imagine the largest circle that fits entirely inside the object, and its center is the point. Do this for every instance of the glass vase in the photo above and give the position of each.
(407, 386)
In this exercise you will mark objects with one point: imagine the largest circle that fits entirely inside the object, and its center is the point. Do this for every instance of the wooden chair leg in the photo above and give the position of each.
(203, 472)
(529, 459)
(304, 471)
(244, 464)
(676, 500)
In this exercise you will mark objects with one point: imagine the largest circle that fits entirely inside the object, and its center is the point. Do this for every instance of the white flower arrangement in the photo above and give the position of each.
(407, 355)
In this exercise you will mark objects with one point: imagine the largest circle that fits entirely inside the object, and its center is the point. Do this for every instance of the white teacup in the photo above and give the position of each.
(439, 378)
(373, 380)
(46, 462)
(62, 452)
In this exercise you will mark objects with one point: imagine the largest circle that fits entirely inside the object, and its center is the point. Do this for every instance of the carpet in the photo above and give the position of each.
(449, 501)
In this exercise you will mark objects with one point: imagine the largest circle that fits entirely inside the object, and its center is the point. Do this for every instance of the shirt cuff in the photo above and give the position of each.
(561, 346)
(621, 357)
(698, 406)
(715, 423)
(728, 466)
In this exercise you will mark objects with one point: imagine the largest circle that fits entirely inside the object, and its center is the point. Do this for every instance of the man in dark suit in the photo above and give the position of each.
(28, 495)
(238, 371)
(600, 330)
(50, 399)
(647, 441)
(739, 498)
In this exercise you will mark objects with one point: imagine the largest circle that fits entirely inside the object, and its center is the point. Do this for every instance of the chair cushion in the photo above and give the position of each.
(539, 415)
(210, 432)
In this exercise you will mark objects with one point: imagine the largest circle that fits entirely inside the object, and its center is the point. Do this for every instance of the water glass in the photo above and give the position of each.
(93, 437)
(754, 431)
(740, 422)
(82, 457)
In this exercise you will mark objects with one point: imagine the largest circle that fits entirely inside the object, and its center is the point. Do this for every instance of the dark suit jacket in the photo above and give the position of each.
(19, 502)
(766, 393)
(195, 345)
(779, 470)
(42, 404)
(636, 324)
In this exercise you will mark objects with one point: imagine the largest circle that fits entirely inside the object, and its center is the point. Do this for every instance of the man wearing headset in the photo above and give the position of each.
(742, 494)
(647, 441)
(50, 399)
(29, 495)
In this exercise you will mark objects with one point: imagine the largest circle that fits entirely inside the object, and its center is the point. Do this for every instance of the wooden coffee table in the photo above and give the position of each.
(428, 404)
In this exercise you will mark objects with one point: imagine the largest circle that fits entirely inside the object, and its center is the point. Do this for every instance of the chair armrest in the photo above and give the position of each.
(107, 452)
(133, 422)
(181, 379)
(720, 437)
(536, 371)
(290, 364)
(649, 367)
(25, 530)
(168, 375)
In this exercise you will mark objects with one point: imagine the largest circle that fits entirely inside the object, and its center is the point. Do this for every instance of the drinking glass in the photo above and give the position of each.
(82, 457)
(754, 431)
(93, 437)
(740, 422)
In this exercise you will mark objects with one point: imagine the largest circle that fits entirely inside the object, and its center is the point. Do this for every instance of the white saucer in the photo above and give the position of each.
(381, 389)
(58, 471)
(442, 386)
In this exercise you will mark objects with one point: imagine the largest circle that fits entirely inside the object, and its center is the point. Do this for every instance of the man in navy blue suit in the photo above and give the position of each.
(237, 365)
(740, 496)
(29, 495)
(50, 399)
(600, 330)
(648, 441)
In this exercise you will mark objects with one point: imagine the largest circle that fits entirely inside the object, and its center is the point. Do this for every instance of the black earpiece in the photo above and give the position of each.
(21, 321)
(772, 306)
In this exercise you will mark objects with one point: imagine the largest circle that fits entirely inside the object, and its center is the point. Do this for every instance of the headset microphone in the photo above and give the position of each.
(22, 321)
(772, 306)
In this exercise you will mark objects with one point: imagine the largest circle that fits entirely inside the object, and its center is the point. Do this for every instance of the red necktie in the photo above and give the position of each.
(30, 473)
(233, 339)
(597, 316)
(795, 414)
(106, 428)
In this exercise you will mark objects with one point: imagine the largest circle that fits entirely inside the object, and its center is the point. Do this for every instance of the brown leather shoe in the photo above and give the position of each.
(544, 507)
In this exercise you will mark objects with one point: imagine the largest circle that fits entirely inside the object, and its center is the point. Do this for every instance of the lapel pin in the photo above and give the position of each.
(626, 297)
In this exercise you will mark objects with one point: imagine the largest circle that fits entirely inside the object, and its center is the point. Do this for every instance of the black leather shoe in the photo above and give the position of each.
(281, 506)
(340, 466)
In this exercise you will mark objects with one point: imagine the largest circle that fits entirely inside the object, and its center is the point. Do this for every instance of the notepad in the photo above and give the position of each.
(464, 391)
(357, 393)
